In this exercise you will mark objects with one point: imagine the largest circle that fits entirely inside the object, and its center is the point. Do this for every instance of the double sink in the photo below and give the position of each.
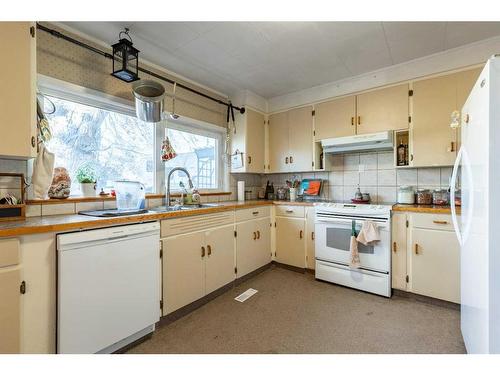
(184, 208)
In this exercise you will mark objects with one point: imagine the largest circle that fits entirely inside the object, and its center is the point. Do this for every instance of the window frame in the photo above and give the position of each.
(82, 95)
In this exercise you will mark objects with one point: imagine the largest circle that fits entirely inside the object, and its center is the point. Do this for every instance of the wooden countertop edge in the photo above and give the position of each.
(110, 198)
(105, 222)
(423, 209)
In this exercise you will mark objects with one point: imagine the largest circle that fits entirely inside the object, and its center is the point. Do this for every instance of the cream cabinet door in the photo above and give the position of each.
(246, 237)
(290, 241)
(279, 143)
(300, 123)
(183, 270)
(398, 251)
(434, 142)
(384, 109)
(310, 238)
(10, 311)
(435, 264)
(255, 142)
(263, 250)
(335, 118)
(18, 94)
(219, 259)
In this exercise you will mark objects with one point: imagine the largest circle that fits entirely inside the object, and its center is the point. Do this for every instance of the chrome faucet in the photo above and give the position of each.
(168, 181)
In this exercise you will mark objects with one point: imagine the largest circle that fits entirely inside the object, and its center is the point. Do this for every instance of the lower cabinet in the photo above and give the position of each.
(290, 241)
(10, 312)
(398, 251)
(435, 264)
(253, 245)
(310, 238)
(196, 264)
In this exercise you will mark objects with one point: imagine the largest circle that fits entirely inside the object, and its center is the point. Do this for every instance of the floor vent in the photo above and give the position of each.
(246, 295)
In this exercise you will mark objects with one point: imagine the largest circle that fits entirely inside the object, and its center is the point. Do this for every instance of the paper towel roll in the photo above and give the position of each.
(241, 191)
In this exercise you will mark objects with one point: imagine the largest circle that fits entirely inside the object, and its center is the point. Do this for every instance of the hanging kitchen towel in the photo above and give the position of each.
(43, 169)
(353, 248)
(368, 233)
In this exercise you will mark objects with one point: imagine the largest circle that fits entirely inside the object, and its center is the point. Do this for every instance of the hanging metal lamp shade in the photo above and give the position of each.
(148, 100)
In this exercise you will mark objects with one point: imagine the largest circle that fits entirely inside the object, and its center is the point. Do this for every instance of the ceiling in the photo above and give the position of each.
(276, 58)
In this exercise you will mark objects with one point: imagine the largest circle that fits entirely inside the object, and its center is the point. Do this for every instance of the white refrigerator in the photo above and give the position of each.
(478, 231)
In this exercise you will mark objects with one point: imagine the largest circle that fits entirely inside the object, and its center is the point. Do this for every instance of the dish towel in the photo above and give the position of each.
(43, 169)
(353, 248)
(368, 233)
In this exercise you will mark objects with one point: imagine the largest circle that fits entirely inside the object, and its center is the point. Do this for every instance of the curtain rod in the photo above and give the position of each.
(57, 34)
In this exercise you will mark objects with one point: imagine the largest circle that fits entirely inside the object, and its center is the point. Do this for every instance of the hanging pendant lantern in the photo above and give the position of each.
(167, 151)
(125, 58)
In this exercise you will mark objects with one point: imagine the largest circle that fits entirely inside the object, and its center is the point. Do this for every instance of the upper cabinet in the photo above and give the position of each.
(291, 140)
(384, 109)
(434, 143)
(248, 139)
(18, 95)
(335, 118)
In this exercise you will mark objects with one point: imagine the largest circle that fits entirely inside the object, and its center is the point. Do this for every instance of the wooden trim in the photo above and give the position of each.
(423, 209)
(110, 198)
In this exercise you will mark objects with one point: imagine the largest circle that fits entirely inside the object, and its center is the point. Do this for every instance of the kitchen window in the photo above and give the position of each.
(92, 128)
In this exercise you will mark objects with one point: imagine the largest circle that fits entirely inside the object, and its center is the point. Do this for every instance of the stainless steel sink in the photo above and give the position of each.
(184, 208)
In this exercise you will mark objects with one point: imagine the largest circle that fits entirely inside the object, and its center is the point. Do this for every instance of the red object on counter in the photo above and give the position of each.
(113, 194)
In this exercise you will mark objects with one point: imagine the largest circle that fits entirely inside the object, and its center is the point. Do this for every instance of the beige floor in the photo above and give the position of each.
(293, 313)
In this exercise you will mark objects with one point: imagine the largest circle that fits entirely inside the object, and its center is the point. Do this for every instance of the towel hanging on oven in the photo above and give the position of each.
(353, 247)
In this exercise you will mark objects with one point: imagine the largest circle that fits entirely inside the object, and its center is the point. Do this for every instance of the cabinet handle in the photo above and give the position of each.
(33, 142)
(254, 236)
(452, 147)
(312, 236)
(203, 251)
(258, 234)
(300, 234)
(209, 250)
(291, 160)
(394, 246)
(439, 221)
(416, 248)
(255, 213)
(467, 118)
(352, 121)
(289, 211)
(286, 160)
(359, 120)
(32, 31)
(249, 160)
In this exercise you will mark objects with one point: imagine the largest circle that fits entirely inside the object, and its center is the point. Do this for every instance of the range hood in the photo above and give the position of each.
(364, 142)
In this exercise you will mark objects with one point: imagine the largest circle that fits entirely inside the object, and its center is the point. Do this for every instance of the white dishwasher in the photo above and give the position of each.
(108, 288)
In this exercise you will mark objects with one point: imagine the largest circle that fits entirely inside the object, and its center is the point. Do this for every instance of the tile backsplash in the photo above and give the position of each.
(374, 172)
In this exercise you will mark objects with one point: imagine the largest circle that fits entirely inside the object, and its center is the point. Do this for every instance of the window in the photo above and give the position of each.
(116, 145)
(197, 151)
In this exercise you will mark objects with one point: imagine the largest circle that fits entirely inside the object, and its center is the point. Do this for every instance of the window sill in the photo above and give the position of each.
(77, 199)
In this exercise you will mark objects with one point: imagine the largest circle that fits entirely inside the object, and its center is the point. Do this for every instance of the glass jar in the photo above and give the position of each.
(424, 196)
(406, 195)
(440, 197)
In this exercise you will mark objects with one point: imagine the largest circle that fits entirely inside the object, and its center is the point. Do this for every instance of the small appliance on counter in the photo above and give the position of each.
(406, 195)
(269, 194)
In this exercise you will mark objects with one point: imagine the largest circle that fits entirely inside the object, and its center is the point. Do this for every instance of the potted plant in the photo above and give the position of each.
(87, 179)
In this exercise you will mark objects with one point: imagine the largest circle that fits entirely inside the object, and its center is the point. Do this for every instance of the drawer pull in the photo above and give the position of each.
(416, 248)
(258, 234)
(301, 234)
(289, 211)
(209, 249)
(394, 246)
(255, 213)
(254, 236)
(440, 222)
(203, 251)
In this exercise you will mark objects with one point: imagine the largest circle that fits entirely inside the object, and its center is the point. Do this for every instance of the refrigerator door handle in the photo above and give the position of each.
(452, 196)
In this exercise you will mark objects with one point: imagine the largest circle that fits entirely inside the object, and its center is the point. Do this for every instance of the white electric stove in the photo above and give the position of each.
(333, 227)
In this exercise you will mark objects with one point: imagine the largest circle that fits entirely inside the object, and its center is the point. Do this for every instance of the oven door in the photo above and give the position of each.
(333, 241)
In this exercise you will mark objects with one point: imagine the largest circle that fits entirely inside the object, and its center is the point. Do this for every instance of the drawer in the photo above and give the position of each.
(9, 252)
(173, 227)
(290, 210)
(253, 213)
(432, 221)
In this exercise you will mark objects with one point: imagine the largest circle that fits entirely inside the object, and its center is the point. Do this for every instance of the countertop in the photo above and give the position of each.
(60, 223)
(424, 208)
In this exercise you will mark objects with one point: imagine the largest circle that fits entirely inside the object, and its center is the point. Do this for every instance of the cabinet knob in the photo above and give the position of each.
(209, 250)
(394, 246)
(203, 251)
